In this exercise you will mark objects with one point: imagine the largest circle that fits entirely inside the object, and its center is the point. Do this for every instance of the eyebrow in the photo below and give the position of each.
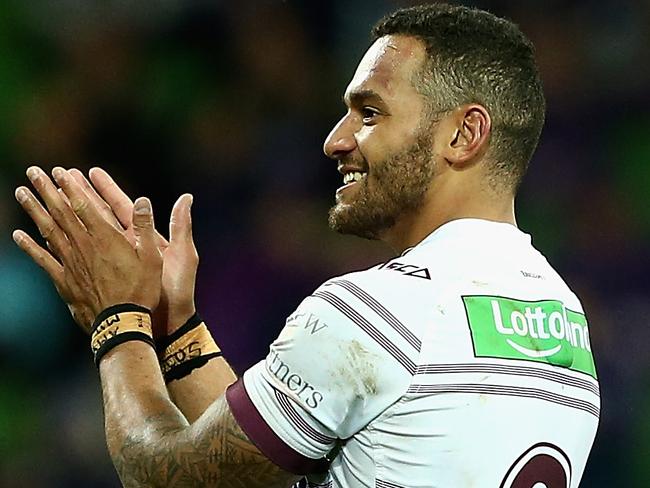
(358, 97)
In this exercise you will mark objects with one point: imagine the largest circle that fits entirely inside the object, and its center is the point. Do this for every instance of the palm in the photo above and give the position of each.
(180, 262)
(177, 299)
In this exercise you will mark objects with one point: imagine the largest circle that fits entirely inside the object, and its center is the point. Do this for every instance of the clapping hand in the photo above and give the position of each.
(105, 250)
(180, 258)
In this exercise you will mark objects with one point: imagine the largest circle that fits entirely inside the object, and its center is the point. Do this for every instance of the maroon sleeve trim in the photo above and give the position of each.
(260, 434)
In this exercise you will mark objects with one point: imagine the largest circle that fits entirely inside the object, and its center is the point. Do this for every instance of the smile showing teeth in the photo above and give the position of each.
(352, 176)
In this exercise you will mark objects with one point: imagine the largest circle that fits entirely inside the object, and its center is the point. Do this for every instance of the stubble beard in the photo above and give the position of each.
(399, 185)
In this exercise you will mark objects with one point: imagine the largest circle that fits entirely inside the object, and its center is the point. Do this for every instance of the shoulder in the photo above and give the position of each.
(386, 289)
(411, 270)
(365, 316)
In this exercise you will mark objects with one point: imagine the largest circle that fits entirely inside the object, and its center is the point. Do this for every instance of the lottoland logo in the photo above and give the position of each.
(544, 331)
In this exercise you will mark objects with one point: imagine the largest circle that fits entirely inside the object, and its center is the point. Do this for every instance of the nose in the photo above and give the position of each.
(340, 140)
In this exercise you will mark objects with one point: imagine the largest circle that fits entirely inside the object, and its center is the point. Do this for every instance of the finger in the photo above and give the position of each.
(120, 203)
(65, 198)
(143, 228)
(103, 207)
(180, 223)
(58, 209)
(79, 201)
(47, 227)
(40, 256)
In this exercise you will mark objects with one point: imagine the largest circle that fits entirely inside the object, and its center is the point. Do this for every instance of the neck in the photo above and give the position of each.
(412, 228)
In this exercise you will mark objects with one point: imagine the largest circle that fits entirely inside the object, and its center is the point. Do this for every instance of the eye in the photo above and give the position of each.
(369, 115)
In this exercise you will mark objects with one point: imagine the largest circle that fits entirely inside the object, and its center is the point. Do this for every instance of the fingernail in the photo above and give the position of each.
(21, 195)
(32, 173)
(17, 236)
(58, 173)
(142, 206)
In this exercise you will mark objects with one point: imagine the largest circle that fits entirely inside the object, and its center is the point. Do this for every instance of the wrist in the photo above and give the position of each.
(118, 324)
(188, 348)
(177, 316)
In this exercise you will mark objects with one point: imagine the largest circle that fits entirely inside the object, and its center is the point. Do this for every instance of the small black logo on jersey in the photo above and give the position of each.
(407, 269)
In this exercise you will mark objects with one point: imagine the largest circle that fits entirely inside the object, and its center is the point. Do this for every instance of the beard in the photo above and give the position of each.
(399, 185)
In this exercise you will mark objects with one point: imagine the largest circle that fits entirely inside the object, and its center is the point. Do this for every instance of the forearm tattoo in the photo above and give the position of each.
(213, 452)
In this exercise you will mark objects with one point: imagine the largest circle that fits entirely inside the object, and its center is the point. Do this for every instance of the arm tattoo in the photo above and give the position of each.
(212, 452)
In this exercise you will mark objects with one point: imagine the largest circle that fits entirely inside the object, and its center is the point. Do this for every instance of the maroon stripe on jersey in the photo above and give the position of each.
(300, 423)
(368, 328)
(380, 310)
(267, 441)
(510, 370)
(509, 391)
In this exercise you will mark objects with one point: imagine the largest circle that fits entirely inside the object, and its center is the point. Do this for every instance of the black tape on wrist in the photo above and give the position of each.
(184, 369)
(116, 309)
(176, 352)
(119, 324)
(120, 339)
(164, 342)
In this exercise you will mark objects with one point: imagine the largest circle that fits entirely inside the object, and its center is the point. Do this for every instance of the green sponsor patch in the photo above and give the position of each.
(543, 331)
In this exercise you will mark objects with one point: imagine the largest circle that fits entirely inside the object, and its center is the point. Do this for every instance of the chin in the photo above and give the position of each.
(347, 219)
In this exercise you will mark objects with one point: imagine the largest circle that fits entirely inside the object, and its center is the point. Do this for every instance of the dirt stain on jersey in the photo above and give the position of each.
(360, 370)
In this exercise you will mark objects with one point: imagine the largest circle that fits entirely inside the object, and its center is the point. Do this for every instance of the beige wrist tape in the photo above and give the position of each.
(187, 349)
(118, 324)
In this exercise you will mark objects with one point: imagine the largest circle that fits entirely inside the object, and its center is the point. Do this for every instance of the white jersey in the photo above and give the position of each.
(464, 362)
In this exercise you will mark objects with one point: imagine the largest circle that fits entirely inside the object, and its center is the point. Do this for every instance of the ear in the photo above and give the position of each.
(467, 135)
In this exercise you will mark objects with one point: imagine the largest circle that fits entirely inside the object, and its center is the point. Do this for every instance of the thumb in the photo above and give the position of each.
(180, 224)
(143, 225)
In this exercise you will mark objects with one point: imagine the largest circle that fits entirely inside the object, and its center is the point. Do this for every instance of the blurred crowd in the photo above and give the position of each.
(231, 101)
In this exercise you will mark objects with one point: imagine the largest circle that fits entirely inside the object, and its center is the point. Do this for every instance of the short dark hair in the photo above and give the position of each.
(477, 57)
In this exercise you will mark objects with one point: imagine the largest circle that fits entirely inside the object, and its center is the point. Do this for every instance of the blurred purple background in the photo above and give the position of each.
(231, 101)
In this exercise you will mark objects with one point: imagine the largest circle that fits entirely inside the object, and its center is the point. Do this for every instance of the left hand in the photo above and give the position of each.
(98, 264)
(180, 257)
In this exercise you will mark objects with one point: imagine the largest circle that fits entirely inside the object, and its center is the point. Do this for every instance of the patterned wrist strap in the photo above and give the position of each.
(118, 324)
(186, 349)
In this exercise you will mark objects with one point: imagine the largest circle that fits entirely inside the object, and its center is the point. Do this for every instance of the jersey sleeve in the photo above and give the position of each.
(336, 365)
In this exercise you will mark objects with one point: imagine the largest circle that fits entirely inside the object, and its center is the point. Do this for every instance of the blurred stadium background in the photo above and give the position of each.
(231, 101)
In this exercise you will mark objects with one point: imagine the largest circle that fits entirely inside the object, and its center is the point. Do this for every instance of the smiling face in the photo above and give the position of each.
(383, 144)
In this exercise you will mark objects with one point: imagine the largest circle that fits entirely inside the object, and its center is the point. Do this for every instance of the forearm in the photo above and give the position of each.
(152, 444)
(194, 393)
(119, 280)
(195, 372)
(140, 418)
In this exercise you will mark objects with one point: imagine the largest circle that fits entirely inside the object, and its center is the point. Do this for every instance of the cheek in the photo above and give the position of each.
(366, 134)
(389, 136)
(372, 143)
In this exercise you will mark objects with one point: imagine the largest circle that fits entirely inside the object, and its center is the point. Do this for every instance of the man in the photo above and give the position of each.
(465, 361)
